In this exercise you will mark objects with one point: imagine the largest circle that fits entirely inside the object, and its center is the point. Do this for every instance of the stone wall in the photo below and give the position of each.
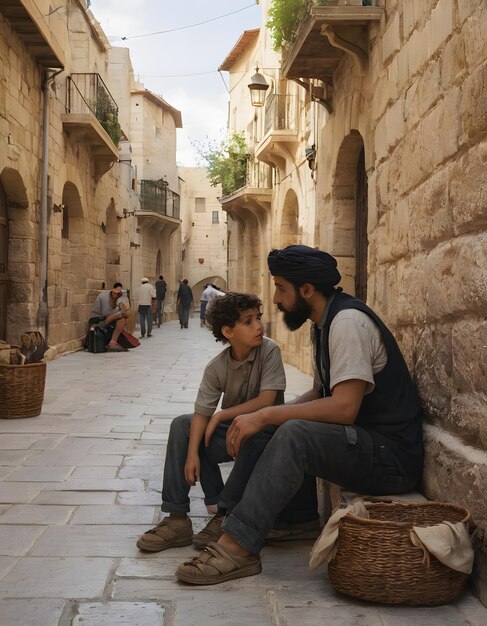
(90, 243)
(422, 118)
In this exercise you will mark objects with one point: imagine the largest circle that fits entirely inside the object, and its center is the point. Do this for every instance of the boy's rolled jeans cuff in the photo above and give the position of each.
(247, 537)
(212, 500)
(168, 507)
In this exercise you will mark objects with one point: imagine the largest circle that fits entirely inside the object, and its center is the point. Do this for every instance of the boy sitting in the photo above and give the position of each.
(250, 375)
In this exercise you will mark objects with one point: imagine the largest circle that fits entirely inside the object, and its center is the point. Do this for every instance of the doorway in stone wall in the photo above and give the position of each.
(349, 214)
(112, 242)
(3, 262)
(69, 320)
(288, 234)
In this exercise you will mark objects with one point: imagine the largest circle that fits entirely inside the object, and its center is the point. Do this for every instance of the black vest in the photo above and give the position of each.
(391, 413)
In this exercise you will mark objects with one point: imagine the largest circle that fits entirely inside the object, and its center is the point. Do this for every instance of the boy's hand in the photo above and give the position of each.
(215, 420)
(242, 427)
(192, 469)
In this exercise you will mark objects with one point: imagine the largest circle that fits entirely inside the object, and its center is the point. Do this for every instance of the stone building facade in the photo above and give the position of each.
(392, 101)
(70, 214)
(204, 231)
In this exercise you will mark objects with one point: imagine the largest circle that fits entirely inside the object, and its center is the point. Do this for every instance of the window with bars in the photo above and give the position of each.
(215, 217)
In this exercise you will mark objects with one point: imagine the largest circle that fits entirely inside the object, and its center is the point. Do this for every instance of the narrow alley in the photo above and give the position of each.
(79, 483)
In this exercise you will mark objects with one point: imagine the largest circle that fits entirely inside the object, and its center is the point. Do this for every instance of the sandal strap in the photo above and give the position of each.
(213, 551)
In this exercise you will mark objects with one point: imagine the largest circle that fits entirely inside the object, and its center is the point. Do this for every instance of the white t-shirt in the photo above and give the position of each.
(356, 348)
(209, 293)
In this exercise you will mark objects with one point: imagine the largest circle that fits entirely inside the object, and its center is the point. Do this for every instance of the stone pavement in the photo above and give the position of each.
(80, 482)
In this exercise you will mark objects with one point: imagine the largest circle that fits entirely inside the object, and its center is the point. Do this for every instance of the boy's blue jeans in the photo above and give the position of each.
(175, 489)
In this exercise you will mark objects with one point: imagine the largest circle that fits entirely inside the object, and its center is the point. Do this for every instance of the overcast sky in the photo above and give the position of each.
(201, 99)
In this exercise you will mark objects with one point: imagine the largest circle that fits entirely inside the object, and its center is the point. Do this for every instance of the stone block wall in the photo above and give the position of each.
(423, 122)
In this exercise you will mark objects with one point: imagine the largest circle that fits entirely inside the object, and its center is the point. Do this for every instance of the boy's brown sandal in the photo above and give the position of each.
(167, 534)
(216, 565)
(211, 532)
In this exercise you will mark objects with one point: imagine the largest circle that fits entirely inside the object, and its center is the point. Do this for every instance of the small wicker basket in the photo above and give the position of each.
(22, 390)
(376, 560)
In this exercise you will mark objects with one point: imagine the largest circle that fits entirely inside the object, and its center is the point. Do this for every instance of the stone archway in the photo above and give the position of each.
(349, 211)
(69, 302)
(288, 234)
(112, 245)
(18, 255)
(3, 262)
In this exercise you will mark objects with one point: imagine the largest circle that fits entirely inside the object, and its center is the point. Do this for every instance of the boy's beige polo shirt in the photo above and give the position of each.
(240, 381)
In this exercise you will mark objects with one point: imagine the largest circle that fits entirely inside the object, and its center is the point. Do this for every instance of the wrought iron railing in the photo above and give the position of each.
(87, 93)
(259, 174)
(280, 113)
(156, 196)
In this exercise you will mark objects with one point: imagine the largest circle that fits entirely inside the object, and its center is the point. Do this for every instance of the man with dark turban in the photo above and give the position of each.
(359, 426)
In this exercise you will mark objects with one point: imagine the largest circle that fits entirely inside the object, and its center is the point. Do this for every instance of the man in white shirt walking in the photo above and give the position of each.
(146, 293)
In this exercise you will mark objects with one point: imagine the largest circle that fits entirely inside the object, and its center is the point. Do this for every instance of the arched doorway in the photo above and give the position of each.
(349, 241)
(112, 232)
(288, 234)
(3, 262)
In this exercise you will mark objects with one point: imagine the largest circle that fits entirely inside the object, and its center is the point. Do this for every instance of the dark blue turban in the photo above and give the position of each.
(302, 264)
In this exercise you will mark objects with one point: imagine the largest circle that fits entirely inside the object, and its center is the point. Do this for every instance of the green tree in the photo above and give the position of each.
(226, 162)
(285, 17)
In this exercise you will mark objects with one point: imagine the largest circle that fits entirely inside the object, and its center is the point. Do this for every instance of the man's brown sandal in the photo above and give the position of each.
(216, 565)
(167, 534)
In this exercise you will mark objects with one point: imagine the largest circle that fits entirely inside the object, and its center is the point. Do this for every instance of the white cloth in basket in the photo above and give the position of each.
(449, 543)
(324, 547)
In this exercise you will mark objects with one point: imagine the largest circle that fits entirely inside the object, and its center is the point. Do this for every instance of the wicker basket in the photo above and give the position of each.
(22, 390)
(376, 560)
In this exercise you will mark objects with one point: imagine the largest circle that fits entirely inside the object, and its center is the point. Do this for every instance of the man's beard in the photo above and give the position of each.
(295, 318)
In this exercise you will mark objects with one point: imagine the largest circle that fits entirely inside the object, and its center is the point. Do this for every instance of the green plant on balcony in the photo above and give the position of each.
(107, 115)
(285, 17)
(226, 163)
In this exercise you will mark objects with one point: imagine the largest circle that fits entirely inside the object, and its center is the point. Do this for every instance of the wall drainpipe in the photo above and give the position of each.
(42, 311)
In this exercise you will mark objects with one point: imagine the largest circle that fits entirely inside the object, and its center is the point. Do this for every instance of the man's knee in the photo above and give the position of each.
(181, 425)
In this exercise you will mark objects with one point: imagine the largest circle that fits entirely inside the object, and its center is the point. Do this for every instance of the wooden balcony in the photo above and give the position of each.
(256, 194)
(91, 115)
(281, 138)
(34, 31)
(328, 34)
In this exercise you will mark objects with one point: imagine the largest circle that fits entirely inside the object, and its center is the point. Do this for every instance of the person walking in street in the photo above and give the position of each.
(360, 426)
(209, 292)
(146, 294)
(250, 375)
(110, 311)
(184, 302)
(161, 287)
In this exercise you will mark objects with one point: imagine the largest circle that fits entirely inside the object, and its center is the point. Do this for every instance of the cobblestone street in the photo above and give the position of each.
(80, 482)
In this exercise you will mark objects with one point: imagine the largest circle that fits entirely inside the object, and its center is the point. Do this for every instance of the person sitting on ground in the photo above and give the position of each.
(209, 293)
(250, 375)
(360, 426)
(111, 311)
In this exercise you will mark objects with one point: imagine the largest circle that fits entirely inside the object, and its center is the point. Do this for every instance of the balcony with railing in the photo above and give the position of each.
(280, 137)
(328, 33)
(158, 203)
(256, 191)
(39, 35)
(92, 115)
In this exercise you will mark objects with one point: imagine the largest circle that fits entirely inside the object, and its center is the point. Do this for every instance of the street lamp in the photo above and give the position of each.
(258, 87)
